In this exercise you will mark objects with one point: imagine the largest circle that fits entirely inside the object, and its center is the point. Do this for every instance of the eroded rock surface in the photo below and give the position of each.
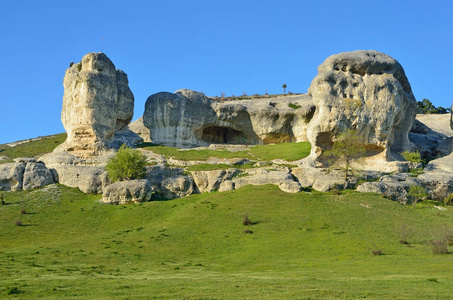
(367, 91)
(24, 173)
(126, 192)
(190, 119)
(97, 103)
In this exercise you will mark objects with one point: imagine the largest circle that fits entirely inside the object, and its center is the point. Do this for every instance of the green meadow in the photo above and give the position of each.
(60, 243)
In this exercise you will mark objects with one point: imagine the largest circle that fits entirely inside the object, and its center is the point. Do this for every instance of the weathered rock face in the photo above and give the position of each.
(188, 119)
(24, 173)
(97, 103)
(126, 192)
(175, 187)
(88, 175)
(139, 128)
(208, 181)
(394, 187)
(367, 91)
(259, 176)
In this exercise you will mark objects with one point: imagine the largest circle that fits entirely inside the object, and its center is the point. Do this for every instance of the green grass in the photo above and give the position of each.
(210, 167)
(285, 151)
(33, 148)
(187, 155)
(306, 246)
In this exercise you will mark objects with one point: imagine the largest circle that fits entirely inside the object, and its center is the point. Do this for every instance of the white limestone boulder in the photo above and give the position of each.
(126, 192)
(97, 103)
(366, 91)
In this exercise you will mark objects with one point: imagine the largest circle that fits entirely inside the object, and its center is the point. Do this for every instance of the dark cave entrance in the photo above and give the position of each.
(224, 135)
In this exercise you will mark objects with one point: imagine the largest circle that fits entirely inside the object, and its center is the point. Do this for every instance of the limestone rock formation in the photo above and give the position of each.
(139, 128)
(97, 103)
(87, 174)
(260, 176)
(175, 187)
(208, 181)
(36, 175)
(367, 91)
(189, 119)
(394, 187)
(24, 173)
(126, 192)
(322, 179)
(432, 134)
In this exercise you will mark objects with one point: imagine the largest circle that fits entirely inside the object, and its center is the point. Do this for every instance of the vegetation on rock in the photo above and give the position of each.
(412, 156)
(427, 107)
(127, 164)
(345, 149)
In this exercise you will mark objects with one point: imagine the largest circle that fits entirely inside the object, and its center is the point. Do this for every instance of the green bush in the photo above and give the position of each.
(448, 201)
(127, 164)
(412, 156)
(79, 67)
(416, 193)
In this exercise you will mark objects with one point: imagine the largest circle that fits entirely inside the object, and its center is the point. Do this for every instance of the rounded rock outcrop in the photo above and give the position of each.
(97, 103)
(366, 91)
(126, 192)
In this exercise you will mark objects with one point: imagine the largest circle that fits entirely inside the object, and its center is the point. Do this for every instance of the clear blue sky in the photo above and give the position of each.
(232, 46)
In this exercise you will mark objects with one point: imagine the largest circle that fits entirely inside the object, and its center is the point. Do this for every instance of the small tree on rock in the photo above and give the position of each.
(127, 164)
(284, 88)
(346, 148)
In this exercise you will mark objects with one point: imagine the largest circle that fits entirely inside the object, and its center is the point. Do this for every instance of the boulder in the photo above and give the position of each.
(175, 187)
(226, 186)
(190, 119)
(36, 175)
(437, 177)
(158, 173)
(394, 187)
(139, 128)
(11, 176)
(97, 103)
(323, 180)
(87, 174)
(126, 192)
(366, 91)
(208, 181)
(24, 173)
(261, 176)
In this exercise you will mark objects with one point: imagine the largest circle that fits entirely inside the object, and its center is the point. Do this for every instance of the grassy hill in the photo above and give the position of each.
(32, 147)
(309, 245)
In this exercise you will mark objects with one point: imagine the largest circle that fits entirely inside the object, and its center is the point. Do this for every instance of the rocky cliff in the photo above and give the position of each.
(190, 119)
(366, 91)
(97, 104)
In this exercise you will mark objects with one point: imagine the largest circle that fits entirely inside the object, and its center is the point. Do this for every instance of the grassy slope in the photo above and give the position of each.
(285, 151)
(306, 245)
(33, 148)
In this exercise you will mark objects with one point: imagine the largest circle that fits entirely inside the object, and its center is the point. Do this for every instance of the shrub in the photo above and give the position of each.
(127, 164)
(23, 211)
(79, 67)
(439, 246)
(18, 222)
(347, 147)
(413, 156)
(11, 290)
(416, 193)
(448, 201)
(71, 64)
(293, 106)
(246, 221)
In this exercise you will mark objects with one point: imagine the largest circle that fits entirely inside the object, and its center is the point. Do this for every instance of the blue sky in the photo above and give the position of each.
(208, 45)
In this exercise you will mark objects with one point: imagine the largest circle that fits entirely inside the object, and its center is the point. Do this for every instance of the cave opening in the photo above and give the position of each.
(225, 135)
